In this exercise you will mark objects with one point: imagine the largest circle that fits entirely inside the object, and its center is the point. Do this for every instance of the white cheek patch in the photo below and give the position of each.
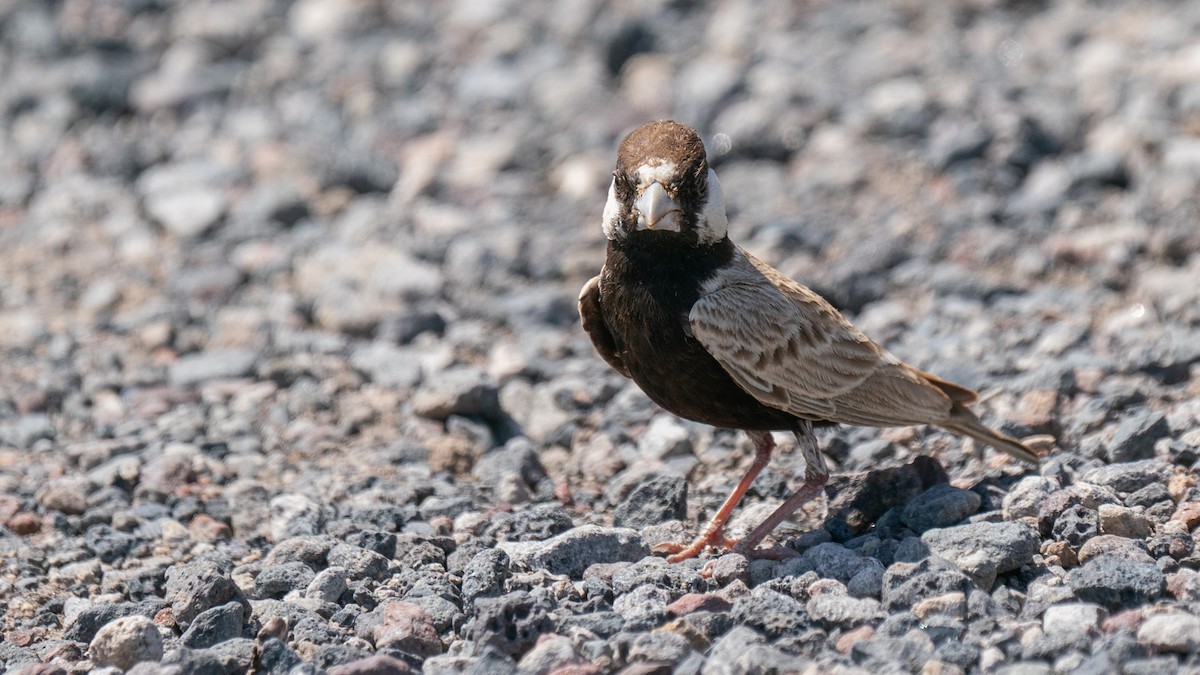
(713, 224)
(612, 213)
(656, 170)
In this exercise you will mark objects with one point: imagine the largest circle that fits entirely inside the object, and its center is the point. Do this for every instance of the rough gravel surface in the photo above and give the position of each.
(291, 378)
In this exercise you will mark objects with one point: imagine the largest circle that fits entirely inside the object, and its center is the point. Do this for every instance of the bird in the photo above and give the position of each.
(713, 334)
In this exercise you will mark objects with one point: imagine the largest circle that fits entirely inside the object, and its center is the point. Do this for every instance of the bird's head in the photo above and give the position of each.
(662, 187)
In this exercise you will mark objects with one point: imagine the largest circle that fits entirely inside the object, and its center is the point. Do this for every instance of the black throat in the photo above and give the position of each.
(650, 282)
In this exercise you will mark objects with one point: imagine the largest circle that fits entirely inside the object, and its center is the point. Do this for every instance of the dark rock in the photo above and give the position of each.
(83, 628)
(1136, 435)
(771, 613)
(485, 575)
(859, 499)
(905, 584)
(214, 626)
(983, 550)
(1129, 476)
(1076, 525)
(199, 585)
(654, 500)
(537, 522)
(1116, 582)
(276, 581)
(939, 506)
(510, 623)
(574, 551)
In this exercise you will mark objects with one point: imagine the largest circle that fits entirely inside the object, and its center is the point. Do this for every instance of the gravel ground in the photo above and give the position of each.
(291, 377)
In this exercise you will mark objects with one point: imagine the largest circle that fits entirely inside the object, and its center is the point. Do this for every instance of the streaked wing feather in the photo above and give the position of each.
(790, 349)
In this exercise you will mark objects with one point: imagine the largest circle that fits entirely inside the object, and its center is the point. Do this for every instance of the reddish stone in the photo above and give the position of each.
(409, 628)
(1129, 619)
(25, 523)
(206, 528)
(1188, 513)
(699, 602)
(379, 664)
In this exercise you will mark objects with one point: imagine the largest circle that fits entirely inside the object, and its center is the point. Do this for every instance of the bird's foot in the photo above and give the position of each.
(679, 552)
(757, 553)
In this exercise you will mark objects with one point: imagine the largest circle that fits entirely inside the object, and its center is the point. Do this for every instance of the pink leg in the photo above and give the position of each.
(815, 476)
(711, 535)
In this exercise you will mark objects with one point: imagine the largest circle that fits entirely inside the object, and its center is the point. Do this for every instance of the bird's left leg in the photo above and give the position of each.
(764, 443)
(816, 474)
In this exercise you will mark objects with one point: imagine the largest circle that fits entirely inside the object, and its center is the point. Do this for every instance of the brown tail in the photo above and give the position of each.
(964, 422)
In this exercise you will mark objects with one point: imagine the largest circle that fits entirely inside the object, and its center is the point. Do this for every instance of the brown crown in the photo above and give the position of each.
(666, 140)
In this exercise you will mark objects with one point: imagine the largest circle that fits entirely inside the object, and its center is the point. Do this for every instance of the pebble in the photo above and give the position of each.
(574, 551)
(939, 506)
(1113, 581)
(654, 500)
(125, 642)
(983, 550)
(406, 627)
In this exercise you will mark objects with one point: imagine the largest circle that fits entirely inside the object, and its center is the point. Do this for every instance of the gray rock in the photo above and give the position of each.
(359, 563)
(674, 578)
(983, 550)
(907, 583)
(510, 623)
(574, 551)
(387, 365)
(868, 582)
(295, 515)
(214, 626)
(642, 608)
(200, 585)
(1075, 621)
(1171, 632)
(654, 500)
(485, 575)
(839, 611)
(1115, 582)
(1136, 435)
(82, 627)
(665, 437)
(276, 581)
(660, 646)
(194, 369)
(771, 613)
(461, 390)
(1129, 476)
(1026, 497)
(1076, 525)
(834, 561)
(887, 652)
(126, 641)
(549, 654)
(328, 585)
(939, 506)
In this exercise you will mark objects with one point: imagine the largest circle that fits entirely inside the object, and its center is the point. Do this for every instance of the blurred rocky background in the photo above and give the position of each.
(291, 377)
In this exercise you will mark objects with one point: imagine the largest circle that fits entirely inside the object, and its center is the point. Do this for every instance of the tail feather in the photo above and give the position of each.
(964, 422)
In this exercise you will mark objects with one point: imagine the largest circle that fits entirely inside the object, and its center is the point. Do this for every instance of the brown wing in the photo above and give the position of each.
(596, 328)
(790, 349)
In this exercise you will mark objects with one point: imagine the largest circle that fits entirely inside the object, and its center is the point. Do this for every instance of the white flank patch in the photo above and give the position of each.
(612, 214)
(714, 224)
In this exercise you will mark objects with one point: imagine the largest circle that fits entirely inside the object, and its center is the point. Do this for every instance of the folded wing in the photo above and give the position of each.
(790, 349)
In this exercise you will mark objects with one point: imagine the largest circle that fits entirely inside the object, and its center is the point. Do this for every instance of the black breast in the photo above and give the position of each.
(648, 288)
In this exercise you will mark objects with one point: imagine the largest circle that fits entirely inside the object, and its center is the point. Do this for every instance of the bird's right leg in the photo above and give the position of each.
(816, 474)
(764, 443)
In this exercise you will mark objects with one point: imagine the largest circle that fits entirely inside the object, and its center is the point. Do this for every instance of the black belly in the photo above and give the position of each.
(646, 299)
